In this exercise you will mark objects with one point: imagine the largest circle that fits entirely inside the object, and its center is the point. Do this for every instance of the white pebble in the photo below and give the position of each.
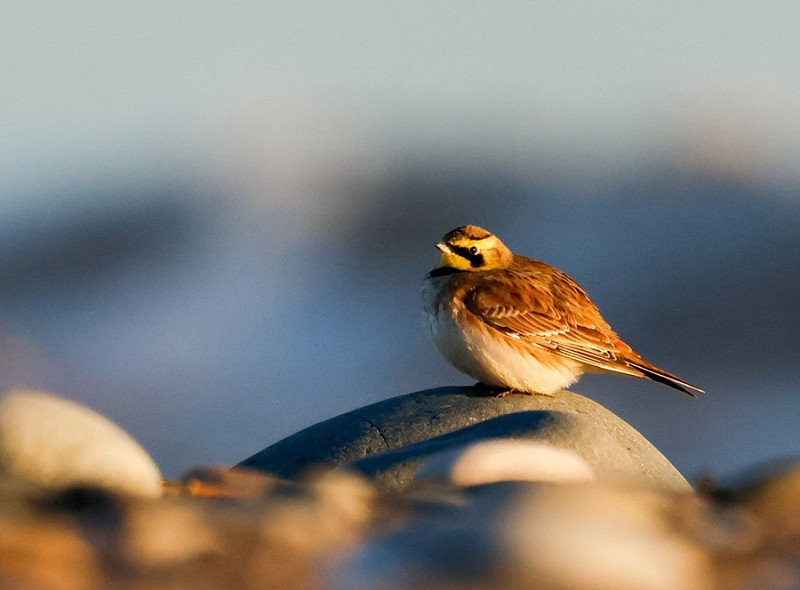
(506, 459)
(53, 442)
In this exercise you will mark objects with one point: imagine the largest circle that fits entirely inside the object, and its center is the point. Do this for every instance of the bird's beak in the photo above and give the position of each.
(446, 258)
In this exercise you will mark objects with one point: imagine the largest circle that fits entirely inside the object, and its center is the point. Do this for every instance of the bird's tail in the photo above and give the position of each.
(665, 377)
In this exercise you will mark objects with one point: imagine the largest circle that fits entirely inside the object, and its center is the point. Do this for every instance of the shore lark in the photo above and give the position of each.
(519, 324)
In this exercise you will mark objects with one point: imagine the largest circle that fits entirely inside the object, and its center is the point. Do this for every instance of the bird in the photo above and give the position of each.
(518, 324)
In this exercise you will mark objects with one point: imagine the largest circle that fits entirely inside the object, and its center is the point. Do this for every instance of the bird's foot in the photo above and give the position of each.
(493, 390)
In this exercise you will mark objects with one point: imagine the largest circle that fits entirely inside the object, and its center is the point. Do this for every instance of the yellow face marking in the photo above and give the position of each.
(449, 259)
(465, 253)
(471, 248)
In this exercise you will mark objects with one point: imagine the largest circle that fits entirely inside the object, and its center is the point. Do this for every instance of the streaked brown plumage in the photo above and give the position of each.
(517, 323)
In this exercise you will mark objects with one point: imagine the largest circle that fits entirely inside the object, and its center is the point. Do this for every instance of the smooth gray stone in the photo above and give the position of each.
(388, 440)
(622, 458)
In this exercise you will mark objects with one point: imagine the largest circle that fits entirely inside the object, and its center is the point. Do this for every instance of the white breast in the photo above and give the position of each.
(487, 354)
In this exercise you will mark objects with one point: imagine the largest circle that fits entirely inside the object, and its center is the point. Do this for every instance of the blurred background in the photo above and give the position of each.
(215, 217)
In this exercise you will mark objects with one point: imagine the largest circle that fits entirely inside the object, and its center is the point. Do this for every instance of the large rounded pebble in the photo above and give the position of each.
(52, 442)
(389, 440)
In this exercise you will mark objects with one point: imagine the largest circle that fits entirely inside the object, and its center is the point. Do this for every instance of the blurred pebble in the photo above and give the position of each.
(537, 535)
(599, 536)
(163, 534)
(505, 460)
(38, 551)
(776, 499)
(328, 512)
(769, 496)
(225, 482)
(53, 442)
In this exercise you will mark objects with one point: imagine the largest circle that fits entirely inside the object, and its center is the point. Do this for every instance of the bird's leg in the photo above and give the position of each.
(493, 390)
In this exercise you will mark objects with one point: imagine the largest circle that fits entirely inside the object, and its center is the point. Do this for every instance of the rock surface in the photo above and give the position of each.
(390, 440)
(52, 442)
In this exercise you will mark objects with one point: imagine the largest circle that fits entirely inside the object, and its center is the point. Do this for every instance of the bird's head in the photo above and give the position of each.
(472, 248)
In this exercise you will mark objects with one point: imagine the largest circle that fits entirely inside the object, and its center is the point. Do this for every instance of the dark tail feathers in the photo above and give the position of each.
(666, 378)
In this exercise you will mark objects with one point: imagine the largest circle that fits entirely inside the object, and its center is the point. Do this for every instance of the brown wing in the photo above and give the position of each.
(548, 309)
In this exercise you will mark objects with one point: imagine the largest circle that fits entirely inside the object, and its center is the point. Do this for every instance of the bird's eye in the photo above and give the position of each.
(473, 250)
